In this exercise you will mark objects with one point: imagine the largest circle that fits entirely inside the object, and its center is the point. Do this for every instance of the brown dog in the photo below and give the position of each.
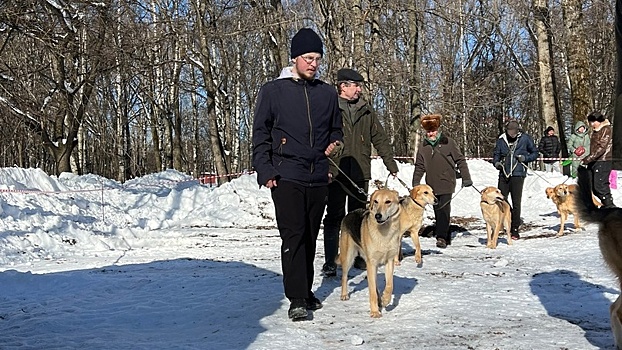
(609, 239)
(561, 196)
(376, 233)
(497, 214)
(412, 218)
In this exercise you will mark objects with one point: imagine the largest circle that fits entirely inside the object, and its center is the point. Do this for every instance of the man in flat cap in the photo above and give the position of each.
(361, 129)
(512, 152)
(297, 125)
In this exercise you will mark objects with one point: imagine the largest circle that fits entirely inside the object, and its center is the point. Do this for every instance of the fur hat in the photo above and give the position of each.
(596, 117)
(305, 41)
(512, 128)
(431, 122)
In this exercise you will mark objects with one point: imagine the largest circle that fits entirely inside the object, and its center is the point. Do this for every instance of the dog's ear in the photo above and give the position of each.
(549, 191)
(414, 192)
(372, 199)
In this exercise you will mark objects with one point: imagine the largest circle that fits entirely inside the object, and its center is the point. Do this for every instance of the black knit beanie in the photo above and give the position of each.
(305, 41)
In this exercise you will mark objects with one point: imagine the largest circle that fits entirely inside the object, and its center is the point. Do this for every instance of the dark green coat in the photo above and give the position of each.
(361, 129)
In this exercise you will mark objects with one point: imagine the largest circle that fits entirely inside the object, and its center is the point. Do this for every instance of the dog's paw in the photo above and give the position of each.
(345, 297)
(375, 314)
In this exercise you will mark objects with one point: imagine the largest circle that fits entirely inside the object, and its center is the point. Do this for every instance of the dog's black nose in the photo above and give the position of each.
(378, 217)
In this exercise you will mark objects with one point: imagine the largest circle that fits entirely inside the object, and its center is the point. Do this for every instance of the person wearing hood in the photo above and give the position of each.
(361, 130)
(550, 147)
(513, 150)
(438, 156)
(578, 146)
(296, 127)
(599, 159)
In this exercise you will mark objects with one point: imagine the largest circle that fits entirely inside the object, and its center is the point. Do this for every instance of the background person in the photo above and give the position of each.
(578, 146)
(550, 148)
(599, 159)
(512, 152)
(296, 125)
(361, 130)
(437, 157)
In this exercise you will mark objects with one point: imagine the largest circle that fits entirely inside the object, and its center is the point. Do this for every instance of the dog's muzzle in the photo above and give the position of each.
(378, 218)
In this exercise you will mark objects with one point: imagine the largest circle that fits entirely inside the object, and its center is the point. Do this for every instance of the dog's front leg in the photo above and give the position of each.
(489, 236)
(388, 288)
(414, 234)
(577, 224)
(495, 234)
(372, 275)
(399, 256)
(563, 217)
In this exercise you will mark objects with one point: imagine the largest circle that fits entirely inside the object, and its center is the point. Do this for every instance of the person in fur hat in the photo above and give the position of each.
(512, 152)
(599, 159)
(438, 156)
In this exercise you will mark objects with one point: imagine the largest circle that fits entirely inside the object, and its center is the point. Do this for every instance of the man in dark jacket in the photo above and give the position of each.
(296, 126)
(550, 147)
(437, 158)
(512, 152)
(361, 129)
(599, 159)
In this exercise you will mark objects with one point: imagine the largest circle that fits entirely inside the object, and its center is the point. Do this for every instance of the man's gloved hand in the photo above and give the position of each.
(499, 165)
(521, 158)
(467, 183)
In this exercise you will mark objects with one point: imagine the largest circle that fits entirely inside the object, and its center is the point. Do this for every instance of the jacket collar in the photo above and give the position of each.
(602, 125)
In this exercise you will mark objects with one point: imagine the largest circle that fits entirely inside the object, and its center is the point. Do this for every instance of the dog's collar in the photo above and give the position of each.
(411, 198)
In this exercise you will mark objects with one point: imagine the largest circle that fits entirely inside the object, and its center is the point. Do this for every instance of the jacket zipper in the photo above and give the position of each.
(310, 124)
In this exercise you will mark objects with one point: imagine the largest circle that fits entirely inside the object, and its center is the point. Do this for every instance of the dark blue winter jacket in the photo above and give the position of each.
(507, 151)
(295, 120)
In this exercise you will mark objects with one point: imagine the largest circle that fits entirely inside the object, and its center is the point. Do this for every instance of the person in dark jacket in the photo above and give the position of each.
(599, 159)
(296, 126)
(578, 146)
(438, 157)
(512, 152)
(550, 148)
(361, 129)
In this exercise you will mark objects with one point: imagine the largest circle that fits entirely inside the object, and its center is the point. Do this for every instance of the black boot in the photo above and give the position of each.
(331, 247)
(298, 310)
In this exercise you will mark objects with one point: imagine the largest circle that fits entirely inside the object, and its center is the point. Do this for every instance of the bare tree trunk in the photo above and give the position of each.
(414, 81)
(547, 99)
(205, 51)
(578, 62)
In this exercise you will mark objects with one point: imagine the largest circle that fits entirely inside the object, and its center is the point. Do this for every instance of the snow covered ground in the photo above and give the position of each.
(162, 262)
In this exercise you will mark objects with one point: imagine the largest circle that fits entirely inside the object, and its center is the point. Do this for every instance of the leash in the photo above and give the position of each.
(346, 189)
(534, 173)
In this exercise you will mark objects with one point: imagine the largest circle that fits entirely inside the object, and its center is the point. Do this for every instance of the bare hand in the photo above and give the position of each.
(331, 147)
(271, 183)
